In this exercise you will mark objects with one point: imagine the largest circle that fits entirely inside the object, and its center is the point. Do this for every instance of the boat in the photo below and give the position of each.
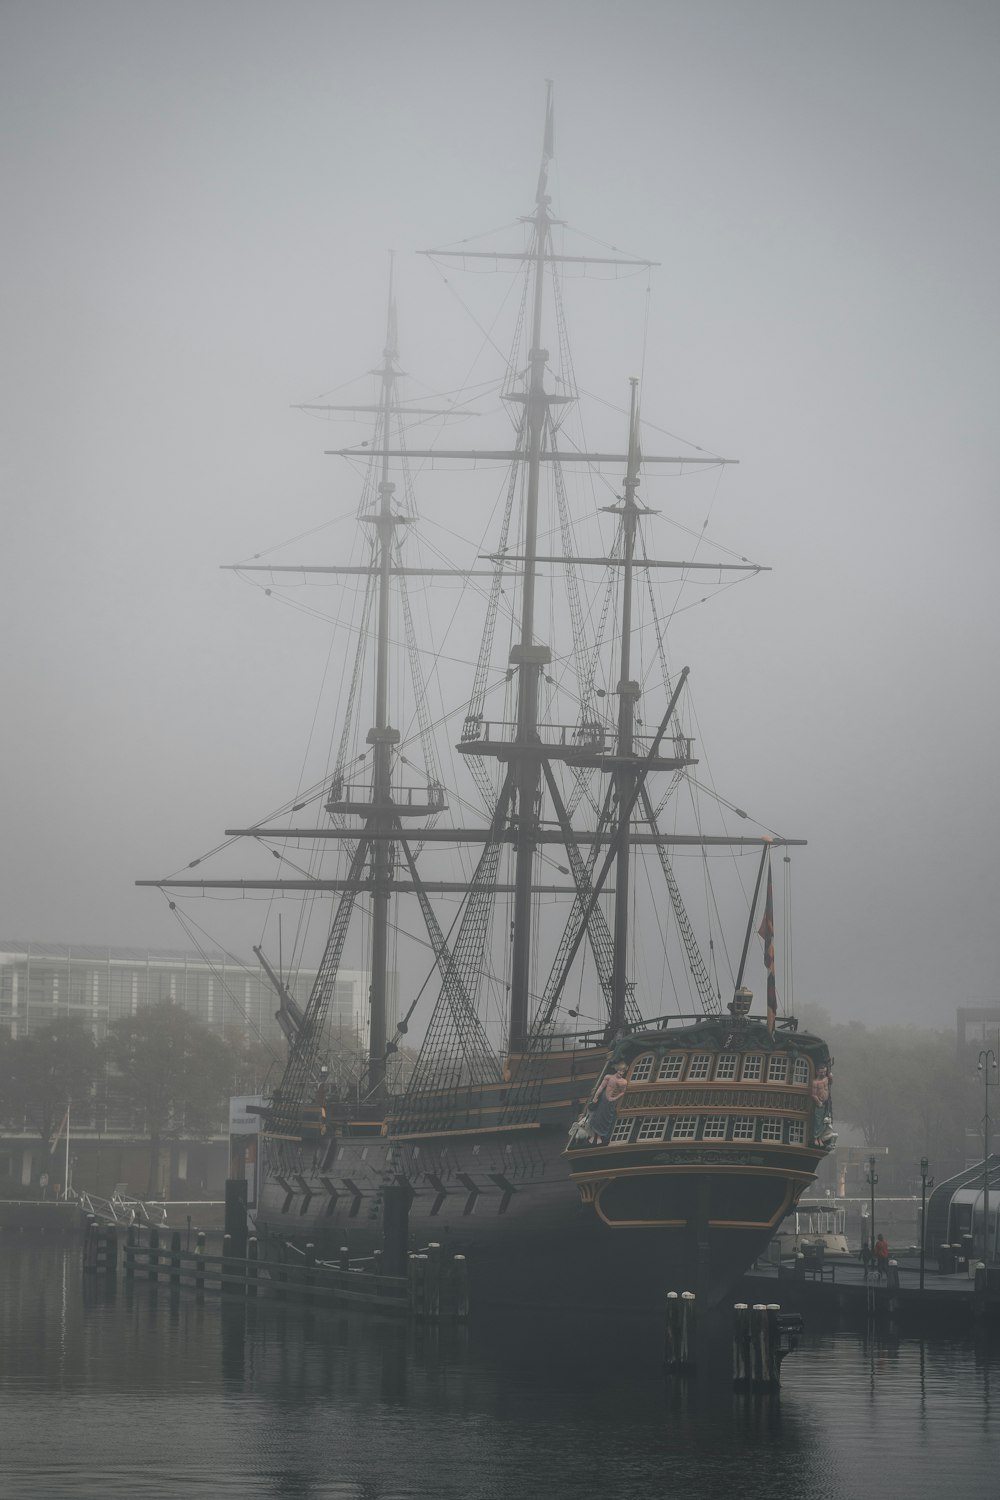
(490, 1142)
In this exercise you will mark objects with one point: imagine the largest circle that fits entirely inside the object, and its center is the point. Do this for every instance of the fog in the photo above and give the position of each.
(199, 201)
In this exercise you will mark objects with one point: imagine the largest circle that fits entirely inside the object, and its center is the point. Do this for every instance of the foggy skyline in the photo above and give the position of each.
(200, 204)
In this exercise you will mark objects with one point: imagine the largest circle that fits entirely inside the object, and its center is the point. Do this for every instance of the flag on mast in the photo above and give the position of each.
(766, 934)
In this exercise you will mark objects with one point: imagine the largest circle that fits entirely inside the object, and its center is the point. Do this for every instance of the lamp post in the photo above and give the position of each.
(872, 1176)
(923, 1214)
(987, 1060)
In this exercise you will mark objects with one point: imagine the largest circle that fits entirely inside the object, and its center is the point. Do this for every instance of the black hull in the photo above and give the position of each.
(511, 1207)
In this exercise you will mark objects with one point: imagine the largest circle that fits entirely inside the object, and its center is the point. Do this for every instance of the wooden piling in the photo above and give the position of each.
(199, 1272)
(432, 1289)
(344, 1258)
(90, 1247)
(154, 1253)
(460, 1286)
(175, 1258)
(131, 1241)
(741, 1345)
(252, 1258)
(416, 1284)
(892, 1288)
(679, 1349)
(760, 1357)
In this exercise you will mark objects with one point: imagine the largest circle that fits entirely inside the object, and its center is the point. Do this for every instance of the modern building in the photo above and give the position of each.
(43, 982)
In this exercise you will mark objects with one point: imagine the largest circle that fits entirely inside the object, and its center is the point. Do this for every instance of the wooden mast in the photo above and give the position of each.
(628, 694)
(528, 656)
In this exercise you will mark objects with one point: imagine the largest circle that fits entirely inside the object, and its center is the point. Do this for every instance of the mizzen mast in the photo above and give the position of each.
(628, 694)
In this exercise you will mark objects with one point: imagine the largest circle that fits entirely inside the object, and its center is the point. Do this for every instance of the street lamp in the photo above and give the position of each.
(923, 1214)
(987, 1060)
(872, 1177)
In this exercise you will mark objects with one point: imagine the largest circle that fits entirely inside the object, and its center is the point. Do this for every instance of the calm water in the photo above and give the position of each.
(109, 1393)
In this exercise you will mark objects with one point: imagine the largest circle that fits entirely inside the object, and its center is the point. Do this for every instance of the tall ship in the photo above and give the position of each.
(564, 1076)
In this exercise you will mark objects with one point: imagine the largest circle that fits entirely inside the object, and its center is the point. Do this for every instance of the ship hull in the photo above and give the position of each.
(531, 1236)
(713, 1142)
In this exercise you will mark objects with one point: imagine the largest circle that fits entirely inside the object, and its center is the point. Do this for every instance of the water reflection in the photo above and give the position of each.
(250, 1399)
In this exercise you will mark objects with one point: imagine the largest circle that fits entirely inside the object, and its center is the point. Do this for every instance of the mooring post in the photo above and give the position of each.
(741, 1345)
(773, 1345)
(460, 1286)
(252, 1255)
(979, 1290)
(226, 1268)
(199, 1268)
(689, 1330)
(131, 1240)
(236, 1215)
(154, 1253)
(681, 1333)
(417, 1274)
(759, 1344)
(396, 1198)
(344, 1258)
(432, 1297)
(671, 1331)
(175, 1258)
(309, 1276)
(111, 1255)
(892, 1287)
(90, 1246)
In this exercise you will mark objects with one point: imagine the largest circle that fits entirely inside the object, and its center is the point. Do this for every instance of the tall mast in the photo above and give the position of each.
(628, 694)
(528, 656)
(382, 736)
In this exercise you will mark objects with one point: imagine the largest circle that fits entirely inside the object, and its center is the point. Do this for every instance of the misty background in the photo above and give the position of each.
(199, 204)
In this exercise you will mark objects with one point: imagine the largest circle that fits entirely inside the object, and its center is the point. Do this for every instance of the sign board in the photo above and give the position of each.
(241, 1120)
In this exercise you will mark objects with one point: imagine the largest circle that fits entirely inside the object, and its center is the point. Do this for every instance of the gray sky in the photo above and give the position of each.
(199, 200)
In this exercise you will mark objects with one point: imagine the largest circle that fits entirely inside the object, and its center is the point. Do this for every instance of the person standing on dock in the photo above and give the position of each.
(882, 1255)
(604, 1105)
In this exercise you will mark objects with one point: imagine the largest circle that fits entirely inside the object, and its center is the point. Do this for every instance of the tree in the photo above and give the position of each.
(256, 1065)
(40, 1074)
(172, 1072)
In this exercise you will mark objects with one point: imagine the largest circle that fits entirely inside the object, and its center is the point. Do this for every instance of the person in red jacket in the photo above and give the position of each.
(882, 1254)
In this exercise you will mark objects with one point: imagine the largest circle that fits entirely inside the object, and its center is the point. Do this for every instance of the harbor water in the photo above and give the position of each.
(113, 1390)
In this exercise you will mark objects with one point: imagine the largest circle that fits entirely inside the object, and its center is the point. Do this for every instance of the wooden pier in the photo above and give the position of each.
(435, 1288)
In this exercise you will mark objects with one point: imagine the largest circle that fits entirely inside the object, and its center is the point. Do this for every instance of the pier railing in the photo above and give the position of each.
(434, 1287)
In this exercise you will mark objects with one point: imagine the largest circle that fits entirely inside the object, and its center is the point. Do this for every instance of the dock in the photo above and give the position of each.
(839, 1285)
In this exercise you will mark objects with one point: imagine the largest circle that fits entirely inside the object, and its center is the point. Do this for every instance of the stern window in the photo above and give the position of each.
(770, 1130)
(743, 1127)
(671, 1067)
(642, 1068)
(685, 1127)
(652, 1128)
(800, 1073)
(726, 1064)
(796, 1132)
(700, 1066)
(752, 1067)
(715, 1128)
(777, 1070)
(622, 1131)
